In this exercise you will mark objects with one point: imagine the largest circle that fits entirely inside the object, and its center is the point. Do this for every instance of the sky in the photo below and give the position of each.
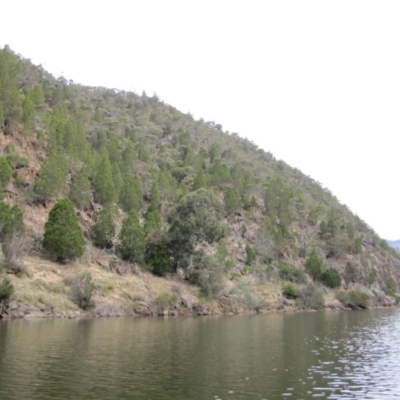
(316, 83)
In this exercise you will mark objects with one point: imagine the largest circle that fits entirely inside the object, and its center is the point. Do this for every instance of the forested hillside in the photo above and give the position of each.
(98, 181)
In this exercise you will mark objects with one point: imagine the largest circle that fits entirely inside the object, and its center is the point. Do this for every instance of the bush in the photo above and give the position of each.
(290, 291)
(82, 289)
(251, 255)
(165, 300)
(206, 273)
(6, 291)
(353, 299)
(158, 255)
(310, 298)
(331, 278)
(63, 237)
(288, 273)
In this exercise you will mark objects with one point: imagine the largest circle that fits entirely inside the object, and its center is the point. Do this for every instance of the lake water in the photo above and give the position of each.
(332, 355)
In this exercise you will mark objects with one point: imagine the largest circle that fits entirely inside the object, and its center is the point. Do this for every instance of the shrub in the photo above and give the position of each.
(63, 237)
(158, 255)
(311, 298)
(288, 273)
(390, 286)
(165, 300)
(82, 289)
(353, 299)
(206, 273)
(331, 278)
(290, 291)
(6, 291)
(251, 255)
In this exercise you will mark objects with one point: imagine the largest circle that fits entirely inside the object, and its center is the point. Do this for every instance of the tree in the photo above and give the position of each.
(104, 191)
(11, 221)
(5, 173)
(80, 191)
(232, 200)
(132, 239)
(52, 175)
(200, 180)
(131, 197)
(63, 237)
(152, 219)
(6, 291)
(103, 230)
(197, 217)
(314, 264)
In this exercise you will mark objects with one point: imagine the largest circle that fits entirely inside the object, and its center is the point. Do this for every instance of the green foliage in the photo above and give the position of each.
(311, 298)
(11, 221)
(390, 286)
(103, 185)
(290, 291)
(288, 273)
(278, 199)
(82, 289)
(155, 194)
(331, 278)
(52, 176)
(5, 173)
(353, 299)
(131, 197)
(251, 256)
(197, 217)
(158, 255)
(6, 291)
(314, 264)
(132, 239)
(205, 272)
(200, 180)
(219, 173)
(166, 300)
(152, 219)
(63, 237)
(103, 230)
(232, 200)
(350, 273)
(80, 191)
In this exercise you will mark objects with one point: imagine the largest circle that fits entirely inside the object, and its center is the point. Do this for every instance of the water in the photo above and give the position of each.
(336, 355)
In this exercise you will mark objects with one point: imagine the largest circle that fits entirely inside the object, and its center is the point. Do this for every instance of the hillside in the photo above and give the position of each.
(177, 215)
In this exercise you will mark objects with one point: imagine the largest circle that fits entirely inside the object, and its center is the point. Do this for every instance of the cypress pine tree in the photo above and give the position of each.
(104, 191)
(63, 237)
(5, 174)
(52, 175)
(80, 191)
(103, 230)
(131, 196)
(200, 180)
(132, 239)
(152, 219)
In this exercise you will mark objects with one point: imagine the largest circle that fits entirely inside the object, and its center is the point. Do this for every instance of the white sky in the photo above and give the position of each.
(317, 83)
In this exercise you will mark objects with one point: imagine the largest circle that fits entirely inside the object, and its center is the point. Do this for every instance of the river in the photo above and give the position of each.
(328, 355)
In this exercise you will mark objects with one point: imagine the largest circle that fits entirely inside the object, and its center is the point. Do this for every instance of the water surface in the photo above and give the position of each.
(333, 355)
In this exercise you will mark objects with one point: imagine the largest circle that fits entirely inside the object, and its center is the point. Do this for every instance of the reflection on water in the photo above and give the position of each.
(346, 355)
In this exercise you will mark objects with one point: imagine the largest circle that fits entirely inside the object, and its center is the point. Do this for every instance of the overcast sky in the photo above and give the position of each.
(317, 83)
